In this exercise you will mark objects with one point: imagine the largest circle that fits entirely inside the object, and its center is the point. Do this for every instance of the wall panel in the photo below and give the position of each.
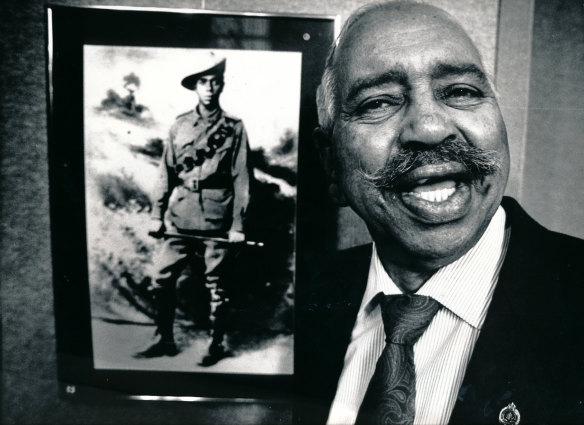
(554, 150)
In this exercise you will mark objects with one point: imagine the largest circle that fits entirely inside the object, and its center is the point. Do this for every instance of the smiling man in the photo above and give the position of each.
(462, 310)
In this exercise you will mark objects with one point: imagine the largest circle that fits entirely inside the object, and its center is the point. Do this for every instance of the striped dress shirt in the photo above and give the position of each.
(464, 288)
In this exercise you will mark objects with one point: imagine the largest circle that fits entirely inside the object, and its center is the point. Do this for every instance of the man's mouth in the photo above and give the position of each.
(437, 193)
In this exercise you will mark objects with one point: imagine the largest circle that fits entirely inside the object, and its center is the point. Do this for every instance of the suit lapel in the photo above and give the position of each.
(500, 369)
(325, 318)
(340, 314)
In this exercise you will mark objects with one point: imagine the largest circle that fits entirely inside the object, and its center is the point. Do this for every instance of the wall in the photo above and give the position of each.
(540, 58)
(554, 154)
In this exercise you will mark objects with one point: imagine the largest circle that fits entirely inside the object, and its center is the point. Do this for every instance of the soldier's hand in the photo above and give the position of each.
(156, 228)
(236, 236)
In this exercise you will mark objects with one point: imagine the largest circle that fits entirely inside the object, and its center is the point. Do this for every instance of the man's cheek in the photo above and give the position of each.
(368, 151)
(483, 129)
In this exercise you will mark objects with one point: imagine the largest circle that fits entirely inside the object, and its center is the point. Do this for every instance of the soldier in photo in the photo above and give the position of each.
(201, 198)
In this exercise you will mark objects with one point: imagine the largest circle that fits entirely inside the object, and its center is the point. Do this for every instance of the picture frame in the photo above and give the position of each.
(114, 77)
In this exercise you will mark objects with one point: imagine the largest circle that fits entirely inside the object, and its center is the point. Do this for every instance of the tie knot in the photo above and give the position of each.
(406, 317)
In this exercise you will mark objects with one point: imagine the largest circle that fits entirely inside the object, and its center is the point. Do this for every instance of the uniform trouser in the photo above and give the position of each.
(171, 260)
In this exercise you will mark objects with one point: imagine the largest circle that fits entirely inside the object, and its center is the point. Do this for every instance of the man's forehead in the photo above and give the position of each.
(399, 17)
(416, 33)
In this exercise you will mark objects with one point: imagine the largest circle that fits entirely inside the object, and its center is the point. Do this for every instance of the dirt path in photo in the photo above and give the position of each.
(114, 344)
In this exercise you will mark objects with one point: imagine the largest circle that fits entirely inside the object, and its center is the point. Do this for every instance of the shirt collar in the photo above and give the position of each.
(210, 119)
(465, 286)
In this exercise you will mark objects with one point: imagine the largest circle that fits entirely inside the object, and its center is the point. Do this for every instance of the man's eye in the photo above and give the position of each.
(378, 107)
(460, 96)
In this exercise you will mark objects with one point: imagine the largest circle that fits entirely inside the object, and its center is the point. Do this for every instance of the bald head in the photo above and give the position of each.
(398, 24)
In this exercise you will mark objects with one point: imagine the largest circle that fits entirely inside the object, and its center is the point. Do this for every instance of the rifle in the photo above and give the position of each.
(201, 238)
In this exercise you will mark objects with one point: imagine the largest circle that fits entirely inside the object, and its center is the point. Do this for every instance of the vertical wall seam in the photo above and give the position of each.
(514, 43)
(497, 37)
(526, 113)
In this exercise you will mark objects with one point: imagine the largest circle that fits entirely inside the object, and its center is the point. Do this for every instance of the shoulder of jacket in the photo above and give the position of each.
(340, 266)
(232, 119)
(181, 120)
(184, 114)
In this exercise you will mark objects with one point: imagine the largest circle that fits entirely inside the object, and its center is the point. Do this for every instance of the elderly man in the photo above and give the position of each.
(201, 195)
(464, 309)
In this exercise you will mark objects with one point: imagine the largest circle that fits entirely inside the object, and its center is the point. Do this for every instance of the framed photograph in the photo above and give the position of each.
(183, 191)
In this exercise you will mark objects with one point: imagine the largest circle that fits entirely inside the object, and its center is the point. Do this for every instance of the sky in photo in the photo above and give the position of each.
(261, 87)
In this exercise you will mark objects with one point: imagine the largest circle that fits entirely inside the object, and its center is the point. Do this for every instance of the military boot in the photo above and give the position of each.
(217, 350)
(218, 318)
(163, 344)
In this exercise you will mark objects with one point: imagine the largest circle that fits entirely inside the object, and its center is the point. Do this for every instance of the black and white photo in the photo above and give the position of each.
(149, 141)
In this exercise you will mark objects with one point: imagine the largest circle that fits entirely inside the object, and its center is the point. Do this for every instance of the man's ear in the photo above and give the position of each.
(324, 146)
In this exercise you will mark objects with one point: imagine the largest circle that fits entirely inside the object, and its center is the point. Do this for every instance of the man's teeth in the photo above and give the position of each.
(435, 195)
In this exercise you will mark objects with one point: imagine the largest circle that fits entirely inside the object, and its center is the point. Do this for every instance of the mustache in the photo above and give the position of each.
(478, 162)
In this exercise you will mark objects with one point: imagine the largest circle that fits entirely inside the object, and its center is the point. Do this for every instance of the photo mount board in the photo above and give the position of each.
(70, 32)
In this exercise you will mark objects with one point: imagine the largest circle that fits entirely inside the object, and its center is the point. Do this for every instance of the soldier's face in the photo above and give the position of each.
(416, 81)
(209, 88)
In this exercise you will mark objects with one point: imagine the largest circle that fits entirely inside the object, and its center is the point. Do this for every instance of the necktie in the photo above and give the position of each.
(391, 394)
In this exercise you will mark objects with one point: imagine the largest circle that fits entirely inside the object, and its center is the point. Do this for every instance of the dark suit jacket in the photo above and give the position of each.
(530, 350)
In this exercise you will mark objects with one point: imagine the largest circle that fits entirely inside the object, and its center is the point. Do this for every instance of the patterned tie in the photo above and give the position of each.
(391, 395)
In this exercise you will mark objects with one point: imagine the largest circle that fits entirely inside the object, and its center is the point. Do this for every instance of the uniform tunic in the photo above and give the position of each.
(204, 176)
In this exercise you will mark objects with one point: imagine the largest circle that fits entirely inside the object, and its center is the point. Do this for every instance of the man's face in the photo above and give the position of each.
(415, 81)
(209, 88)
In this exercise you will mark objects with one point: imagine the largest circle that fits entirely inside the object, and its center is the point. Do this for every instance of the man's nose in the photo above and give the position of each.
(426, 122)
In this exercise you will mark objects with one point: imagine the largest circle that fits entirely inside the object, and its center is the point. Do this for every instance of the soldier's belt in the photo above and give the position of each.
(221, 181)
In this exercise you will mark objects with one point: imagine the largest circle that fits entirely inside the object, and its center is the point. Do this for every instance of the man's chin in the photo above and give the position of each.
(430, 247)
(440, 223)
(207, 101)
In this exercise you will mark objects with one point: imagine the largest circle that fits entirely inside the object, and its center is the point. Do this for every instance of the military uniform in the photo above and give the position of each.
(202, 189)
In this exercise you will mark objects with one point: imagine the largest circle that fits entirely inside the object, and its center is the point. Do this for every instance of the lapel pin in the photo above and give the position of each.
(509, 415)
